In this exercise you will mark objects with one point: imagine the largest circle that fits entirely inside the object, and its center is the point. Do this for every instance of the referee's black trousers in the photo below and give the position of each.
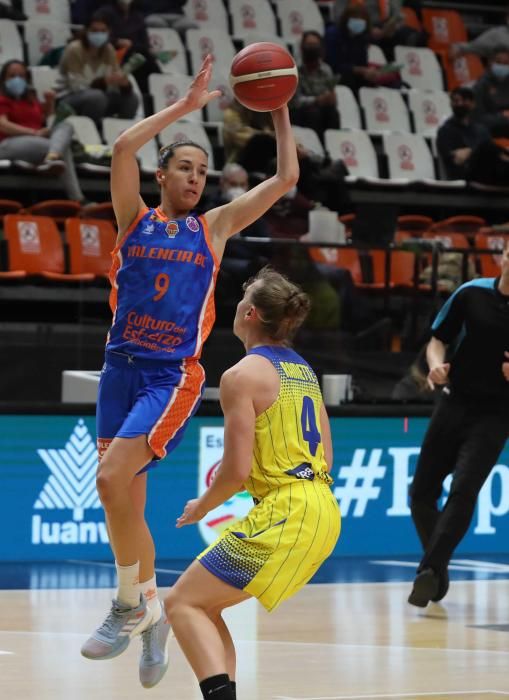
(464, 439)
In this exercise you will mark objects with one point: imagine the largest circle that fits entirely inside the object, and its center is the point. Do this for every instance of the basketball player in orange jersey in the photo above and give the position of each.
(277, 445)
(163, 274)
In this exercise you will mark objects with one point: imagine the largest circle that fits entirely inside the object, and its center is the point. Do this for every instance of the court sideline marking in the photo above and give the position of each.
(428, 694)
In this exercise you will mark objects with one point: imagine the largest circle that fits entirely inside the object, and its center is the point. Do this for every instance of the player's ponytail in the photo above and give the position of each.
(282, 306)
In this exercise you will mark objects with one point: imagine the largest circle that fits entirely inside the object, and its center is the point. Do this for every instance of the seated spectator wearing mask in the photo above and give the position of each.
(347, 44)
(91, 81)
(492, 91)
(460, 134)
(388, 24)
(484, 44)
(314, 103)
(128, 33)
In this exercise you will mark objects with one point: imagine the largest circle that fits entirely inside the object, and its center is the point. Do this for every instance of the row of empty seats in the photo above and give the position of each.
(35, 248)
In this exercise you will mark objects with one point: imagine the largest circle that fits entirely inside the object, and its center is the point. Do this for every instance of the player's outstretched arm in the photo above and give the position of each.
(231, 218)
(125, 177)
(236, 394)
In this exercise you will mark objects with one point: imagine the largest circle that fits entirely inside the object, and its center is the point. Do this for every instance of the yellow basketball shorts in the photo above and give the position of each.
(280, 544)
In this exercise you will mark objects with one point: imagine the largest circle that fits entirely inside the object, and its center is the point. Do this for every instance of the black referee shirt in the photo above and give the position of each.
(474, 323)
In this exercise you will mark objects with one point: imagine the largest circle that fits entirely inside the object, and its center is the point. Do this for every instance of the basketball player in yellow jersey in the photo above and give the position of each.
(277, 445)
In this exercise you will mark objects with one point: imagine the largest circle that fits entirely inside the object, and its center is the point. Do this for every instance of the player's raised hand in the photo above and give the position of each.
(193, 512)
(505, 366)
(439, 374)
(198, 94)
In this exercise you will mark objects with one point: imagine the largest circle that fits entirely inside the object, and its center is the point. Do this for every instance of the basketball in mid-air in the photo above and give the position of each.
(263, 76)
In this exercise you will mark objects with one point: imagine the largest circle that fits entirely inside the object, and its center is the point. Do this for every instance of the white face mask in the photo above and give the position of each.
(233, 192)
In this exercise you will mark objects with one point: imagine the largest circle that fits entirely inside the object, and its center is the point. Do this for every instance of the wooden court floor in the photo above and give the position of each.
(331, 642)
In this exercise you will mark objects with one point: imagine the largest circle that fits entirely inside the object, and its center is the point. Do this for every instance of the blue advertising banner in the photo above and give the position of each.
(49, 508)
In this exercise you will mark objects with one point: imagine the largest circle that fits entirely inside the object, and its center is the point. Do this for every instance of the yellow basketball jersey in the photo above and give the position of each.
(288, 442)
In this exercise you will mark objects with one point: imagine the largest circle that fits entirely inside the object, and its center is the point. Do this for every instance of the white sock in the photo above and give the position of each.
(128, 591)
(149, 590)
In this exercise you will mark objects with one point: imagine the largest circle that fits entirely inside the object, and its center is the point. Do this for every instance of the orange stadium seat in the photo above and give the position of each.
(90, 244)
(58, 209)
(35, 247)
(463, 70)
(103, 210)
(411, 19)
(414, 223)
(445, 27)
(463, 223)
(9, 206)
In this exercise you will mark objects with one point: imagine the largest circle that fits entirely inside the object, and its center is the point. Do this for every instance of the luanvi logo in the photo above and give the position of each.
(70, 487)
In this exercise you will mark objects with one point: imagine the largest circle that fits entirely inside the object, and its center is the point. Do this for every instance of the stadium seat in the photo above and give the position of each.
(167, 88)
(90, 244)
(296, 18)
(376, 56)
(42, 36)
(52, 10)
(489, 264)
(35, 247)
(448, 240)
(348, 108)
(147, 154)
(215, 108)
(355, 149)
(444, 27)
(207, 13)
(462, 223)
(11, 44)
(409, 158)
(85, 130)
(346, 258)
(429, 110)
(384, 110)
(414, 223)
(57, 209)
(167, 47)
(9, 206)
(213, 41)
(44, 78)
(309, 139)
(101, 210)
(464, 70)
(421, 68)
(252, 17)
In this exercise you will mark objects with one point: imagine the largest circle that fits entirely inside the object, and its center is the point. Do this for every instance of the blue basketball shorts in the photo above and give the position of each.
(143, 397)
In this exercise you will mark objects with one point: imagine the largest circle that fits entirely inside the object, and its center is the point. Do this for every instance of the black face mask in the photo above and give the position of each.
(311, 53)
(461, 111)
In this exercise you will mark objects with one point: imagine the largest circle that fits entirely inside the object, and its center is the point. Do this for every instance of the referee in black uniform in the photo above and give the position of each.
(470, 423)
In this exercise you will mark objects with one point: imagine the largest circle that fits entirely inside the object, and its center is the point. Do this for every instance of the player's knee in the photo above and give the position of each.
(108, 487)
(171, 603)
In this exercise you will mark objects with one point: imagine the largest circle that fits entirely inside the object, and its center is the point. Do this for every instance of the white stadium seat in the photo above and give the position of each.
(421, 68)
(167, 47)
(384, 110)
(429, 109)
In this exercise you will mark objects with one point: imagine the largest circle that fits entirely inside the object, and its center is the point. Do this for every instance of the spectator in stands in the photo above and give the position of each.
(492, 90)
(24, 135)
(460, 134)
(388, 24)
(314, 103)
(248, 138)
(129, 36)
(489, 162)
(91, 81)
(346, 51)
(484, 44)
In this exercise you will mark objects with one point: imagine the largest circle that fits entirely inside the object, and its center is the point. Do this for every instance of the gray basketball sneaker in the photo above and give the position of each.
(154, 655)
(117, 630)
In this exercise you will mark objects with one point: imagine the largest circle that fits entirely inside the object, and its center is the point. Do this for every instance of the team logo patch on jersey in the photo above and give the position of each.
(192, 224)
(149, 229)
(172, 228)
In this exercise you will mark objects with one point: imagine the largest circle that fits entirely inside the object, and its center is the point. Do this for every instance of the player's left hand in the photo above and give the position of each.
(193, 512)
(198, 94)
(505, 367)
